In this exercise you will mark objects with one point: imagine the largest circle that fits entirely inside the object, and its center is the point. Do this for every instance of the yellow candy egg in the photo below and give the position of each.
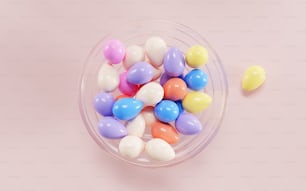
(195, 102)
(196, 56)
(253, 77)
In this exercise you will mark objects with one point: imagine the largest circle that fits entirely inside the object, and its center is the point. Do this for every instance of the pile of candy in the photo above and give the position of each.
(155, 94)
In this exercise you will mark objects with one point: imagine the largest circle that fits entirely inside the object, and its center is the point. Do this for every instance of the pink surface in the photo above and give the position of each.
(44, 145)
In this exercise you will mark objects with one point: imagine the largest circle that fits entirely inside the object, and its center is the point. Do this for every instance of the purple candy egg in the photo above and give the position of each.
(111, 128)
(103, 104)
(174, 62)
(114, 51)
(140, 73)
(188, 124)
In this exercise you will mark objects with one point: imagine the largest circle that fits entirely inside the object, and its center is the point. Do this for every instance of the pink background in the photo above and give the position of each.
(44, 145)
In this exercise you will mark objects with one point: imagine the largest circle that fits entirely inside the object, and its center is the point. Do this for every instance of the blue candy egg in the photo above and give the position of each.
(174, 62)
(127, 108)
(196, 79)
(166, 111)
(180, 106)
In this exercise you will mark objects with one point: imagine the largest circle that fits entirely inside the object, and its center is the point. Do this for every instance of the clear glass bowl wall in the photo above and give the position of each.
(176, 35)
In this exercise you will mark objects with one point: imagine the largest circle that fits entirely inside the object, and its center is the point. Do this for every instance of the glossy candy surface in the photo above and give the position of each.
(150, 94)
(175, 89)
(188, 124)
(131, 146)
(108, 78)
(196, 56)
(155, 48)
(195, 102)
(196, 79)
(111, 128)
(166, 111)
(140, 73)
(174, 62)
(159, 149)
(253, 77)
(127, 108)
(103, 103)
(164, 131)
(114, 51)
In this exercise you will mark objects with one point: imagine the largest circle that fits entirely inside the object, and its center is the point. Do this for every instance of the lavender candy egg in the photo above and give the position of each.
(174, 62)
(111, 128)
(103, 103)
(140, 73)
(188, 124)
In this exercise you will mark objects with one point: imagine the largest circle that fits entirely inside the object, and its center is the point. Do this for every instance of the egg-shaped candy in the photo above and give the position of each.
(166, 111)
(136, 126)
(140, 73)
(164, 131)
(127, 108)
(111, 128)
(155, 48)
(196, 56)
(180, 105)
(103, 103)
(188, 124)
(160, 150)
(196, 79)
(174, 62)
(164, 78)
(125, 87)
(108, 78)
(253, 77)
(175, 89)
(195, 102)
(114, 51)
(150, 94)
(131, 146)
(133, 55)
(148, 115)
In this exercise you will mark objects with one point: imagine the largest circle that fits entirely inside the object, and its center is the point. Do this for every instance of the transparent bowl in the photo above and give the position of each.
(174, 34)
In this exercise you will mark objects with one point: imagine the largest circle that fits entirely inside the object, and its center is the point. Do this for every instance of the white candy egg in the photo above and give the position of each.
(156, 48)
(150, 94)
(108, 78)
(159, 149)
(149, 116)
(136, 126)
(133, 55)
(131, 146)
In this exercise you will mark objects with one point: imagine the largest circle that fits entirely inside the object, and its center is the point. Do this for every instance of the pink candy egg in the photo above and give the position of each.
(114, 51)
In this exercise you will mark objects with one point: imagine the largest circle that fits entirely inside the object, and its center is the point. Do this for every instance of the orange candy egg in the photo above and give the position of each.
(175, 89)
(165, 132)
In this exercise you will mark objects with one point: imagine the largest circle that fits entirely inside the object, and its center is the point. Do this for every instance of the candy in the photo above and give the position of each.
(174, 62)
(149, 116)
(140, 73)
(157, 73)
(253, 77)
(114, 51)
(180, 105)
(188, 124)
(111, 128)
(155, 48)
(196, 79)
(121, 96)
(164, 78)
(136, 126)
(159, 149)
(133, 55)
(195, 102)
(196, 56)
(103, 104)
(175, 89)
(108, 78)
(165, 132)
(127, 108)
(166, 111)
(150, 94)
(131, 146)
(125, 87)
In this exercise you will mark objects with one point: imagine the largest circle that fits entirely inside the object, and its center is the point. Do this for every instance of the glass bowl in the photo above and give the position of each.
(176, 35)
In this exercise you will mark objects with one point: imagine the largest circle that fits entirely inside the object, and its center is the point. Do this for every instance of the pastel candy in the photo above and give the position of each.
(175, 89)
(114, 51)
(164, 78)
(155, 48)
(133, 55)
(196, 56)
(174, 62)
(131, 146)
(159, 150)
(140, 73)
(111, 128)
(103, 103)
(188, 124)
(148, 115)
(136, 126)
(253, 77)
(165, 132)
(196, 79)
(108, 78)
(179, 105)
(125, 87)
(150, 94)
(166, 111)
(127, 108)
(195, 102)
